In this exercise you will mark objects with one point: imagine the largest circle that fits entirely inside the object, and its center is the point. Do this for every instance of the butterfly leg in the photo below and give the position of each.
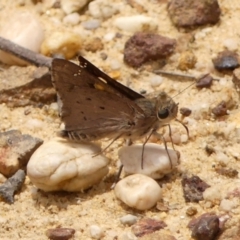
(165, 145)
(127, 143)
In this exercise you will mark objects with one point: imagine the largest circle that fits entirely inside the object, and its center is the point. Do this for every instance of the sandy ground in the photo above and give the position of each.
(34, 211)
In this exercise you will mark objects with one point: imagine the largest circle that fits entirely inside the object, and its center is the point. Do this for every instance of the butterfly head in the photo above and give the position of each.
(166, 108)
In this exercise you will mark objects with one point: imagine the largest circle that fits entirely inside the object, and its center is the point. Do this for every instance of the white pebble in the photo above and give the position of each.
(72, 19)
(69, 6)
(136, 23)
(34, 124)
(222, 157)
(115, 64)
(61, 42)
(96, 232)
(156, 163)
(91, 24)
(128, 219)
(228, 204)
(54, 106)
(231, 44)
(128, 236)
(156, 81)
(103, 9)
(184, 138)
(62, 165)
(138, 191)
(109, 36)
(24, 29)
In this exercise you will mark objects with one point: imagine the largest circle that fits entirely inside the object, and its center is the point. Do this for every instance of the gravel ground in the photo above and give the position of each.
(34, 211)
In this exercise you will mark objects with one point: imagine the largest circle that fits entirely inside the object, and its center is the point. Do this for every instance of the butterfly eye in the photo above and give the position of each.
(163, 113)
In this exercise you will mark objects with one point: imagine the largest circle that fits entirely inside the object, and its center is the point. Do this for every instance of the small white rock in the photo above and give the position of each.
(61, 42)
(69, 6)
(24, 29)
(91, 24)
(102, 8)
(231, 44)
(62, 165)
(72, 19)
(96, 232)
(156, 163)
(138, 191)
(156, 81)
(128, 236)
(136, 23)
(128, 219)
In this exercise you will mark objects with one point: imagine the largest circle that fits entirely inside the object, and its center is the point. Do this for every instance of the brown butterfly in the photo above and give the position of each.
(95, 106)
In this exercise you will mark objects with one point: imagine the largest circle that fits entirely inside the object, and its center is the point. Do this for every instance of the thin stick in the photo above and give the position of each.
(24, 53)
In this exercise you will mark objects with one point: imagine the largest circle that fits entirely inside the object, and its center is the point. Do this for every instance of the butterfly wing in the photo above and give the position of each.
(91, 108)
(120, 88)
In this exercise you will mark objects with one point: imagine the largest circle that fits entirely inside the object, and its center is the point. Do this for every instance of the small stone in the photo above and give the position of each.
(137, 23)
(128, 219)
(60, 233)
(193, 188)
(147, 226)
(91, 24)
(16, 150)
(24, 29)
(70, 6)
(72, 19)
(226, 60)
(156, 81)
(185, 111)
(220, 110)
(205, 227)
(12, 185)
(236, 79)
(69, 166)
(156, 163)
(2, 178)
(228, 172)
(96, 232)
(93, 45)
(61, 42)
(143, 47)
(191, 13)
(134, 191)
(204, 81)
(187, 61)
(127, 236)
(103, 9)
(231, 44)
(191, 211)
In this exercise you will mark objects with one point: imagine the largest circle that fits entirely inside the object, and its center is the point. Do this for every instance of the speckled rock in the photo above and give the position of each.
(62, 165)
(190, 13)
(143, 47)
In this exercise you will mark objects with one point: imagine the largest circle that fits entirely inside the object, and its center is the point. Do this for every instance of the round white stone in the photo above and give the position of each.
(138, 191)
(128, 219)
(62, 165)
(156, 162)
(96, 232)
(136, 23)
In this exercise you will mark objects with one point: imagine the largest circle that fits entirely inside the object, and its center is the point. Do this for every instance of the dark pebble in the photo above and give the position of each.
(204, 81)
(11, 186)
(192, 13)
(228, 172)
(185, 111)
(226, 60)
(143, 47)
(193, 188)
(147, 226)
(220, 110)
(60, 233)
(205, 227)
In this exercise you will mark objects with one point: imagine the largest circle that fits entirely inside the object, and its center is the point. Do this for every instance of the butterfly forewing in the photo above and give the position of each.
(91, 107)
